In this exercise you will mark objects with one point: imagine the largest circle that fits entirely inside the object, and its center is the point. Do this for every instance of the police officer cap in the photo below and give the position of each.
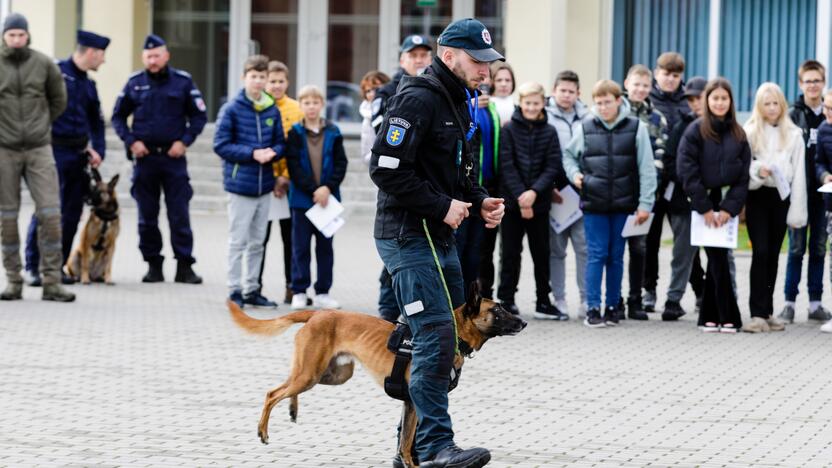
(471, 36)
(153, 41)
(91, 39)
(413, 41)
(695, 86)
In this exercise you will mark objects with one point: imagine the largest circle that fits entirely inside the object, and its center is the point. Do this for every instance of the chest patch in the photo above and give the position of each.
(395, 135)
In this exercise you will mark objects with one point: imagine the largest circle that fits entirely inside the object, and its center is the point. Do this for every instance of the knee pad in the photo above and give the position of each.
(444, 359)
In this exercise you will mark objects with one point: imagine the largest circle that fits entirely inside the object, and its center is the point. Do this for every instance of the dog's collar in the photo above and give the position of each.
(106, 215)
(464, 348)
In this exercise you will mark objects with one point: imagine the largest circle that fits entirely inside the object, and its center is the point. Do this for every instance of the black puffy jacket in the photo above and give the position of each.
(673, 105)
(679, 201)
(530, 159)
(704, 164)
(610, 166)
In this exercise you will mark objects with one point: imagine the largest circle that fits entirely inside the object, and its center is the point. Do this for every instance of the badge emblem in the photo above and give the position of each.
(486, 36)
(269, 122)
(200, 104)
(395, 135)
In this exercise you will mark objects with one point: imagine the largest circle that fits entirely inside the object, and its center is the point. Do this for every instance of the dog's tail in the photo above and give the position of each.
(270, 327)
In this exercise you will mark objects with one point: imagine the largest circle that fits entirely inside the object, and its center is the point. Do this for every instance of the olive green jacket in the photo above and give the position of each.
(32, 96)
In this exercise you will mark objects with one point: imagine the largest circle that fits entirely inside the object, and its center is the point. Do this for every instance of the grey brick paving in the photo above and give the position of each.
(157, 375)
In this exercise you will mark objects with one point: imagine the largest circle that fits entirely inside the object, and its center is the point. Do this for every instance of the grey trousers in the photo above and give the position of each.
(557, 259)
(248, 218)
(37, 167)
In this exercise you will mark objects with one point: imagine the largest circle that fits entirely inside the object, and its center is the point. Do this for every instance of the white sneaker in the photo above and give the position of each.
(324, 301)
(299, 301)
(826, 327)
(561, 305)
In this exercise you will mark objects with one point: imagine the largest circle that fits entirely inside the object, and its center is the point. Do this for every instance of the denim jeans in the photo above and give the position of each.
(469, 237)
(422, 298)
(817, 251)
(605, 249)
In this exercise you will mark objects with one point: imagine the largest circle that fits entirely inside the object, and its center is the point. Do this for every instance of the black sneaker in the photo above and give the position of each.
(787, 315)
(549, 312)
(634, 310)
(672, 311)
(258, 300)
(154, 272)
(185, 274)
(66, 279)
(620, 310)
(511, 307)
(611, 316)
(820, 314)
(453, 457)
(593, 318)
(237, 298)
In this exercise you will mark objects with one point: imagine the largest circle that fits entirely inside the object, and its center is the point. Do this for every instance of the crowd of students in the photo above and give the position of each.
(658, 146)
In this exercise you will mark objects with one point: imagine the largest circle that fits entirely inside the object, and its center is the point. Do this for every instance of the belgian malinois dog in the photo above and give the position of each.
(330, 340)
(92, 258)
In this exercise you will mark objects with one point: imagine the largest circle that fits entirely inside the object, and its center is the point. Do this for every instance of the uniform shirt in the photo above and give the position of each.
(166, 107)
(82, 118)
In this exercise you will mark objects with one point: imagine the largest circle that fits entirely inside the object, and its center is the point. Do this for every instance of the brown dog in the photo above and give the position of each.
(92, 258)
(326, 345)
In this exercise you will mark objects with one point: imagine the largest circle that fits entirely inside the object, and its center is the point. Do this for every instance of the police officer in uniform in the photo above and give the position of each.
(77, 140)
(423, 165)
(414, 57)
(168, 114)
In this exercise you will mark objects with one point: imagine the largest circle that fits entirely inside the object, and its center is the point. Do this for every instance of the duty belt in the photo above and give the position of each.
(71, 142)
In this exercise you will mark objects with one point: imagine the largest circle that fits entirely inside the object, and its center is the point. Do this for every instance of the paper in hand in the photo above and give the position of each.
(631, 229)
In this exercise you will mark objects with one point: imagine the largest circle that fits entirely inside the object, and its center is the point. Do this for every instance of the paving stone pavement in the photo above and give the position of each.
(157, 375)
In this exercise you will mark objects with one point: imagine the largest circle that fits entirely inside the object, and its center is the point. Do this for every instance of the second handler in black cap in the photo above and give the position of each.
(422, 163)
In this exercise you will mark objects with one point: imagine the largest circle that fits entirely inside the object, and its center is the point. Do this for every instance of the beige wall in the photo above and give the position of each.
(126, 23)
(545, 37)
(52, 24)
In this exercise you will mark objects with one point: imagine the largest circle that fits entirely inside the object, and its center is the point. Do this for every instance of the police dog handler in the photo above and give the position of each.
(422, 164)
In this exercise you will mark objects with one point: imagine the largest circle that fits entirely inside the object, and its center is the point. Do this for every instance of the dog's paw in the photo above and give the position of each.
(264, 438)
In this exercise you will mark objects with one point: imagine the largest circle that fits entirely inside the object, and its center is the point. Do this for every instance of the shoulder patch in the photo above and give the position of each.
(395, 135)
(398, 121)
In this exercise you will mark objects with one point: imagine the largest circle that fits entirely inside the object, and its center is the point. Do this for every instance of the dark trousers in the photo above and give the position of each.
(697, 276)
(514, 227)
(486, 274)
(654, 242)
(73, 187)
(468, 241)
(286, 237)
(152, 174)
(816, 245)
(765, 216)
(719, 304)
(302, 232)
(635, 269)
(420, 293)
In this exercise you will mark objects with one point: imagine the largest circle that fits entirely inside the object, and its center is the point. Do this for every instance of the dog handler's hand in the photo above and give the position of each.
(457, 212)
(492, 211)
(138, 149)
(177, 149)
(94, 158)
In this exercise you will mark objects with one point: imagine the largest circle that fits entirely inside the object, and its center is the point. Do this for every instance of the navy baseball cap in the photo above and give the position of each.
(471, 36)
(91, 39)
(413, 41)
(695, 86)
(153, 41)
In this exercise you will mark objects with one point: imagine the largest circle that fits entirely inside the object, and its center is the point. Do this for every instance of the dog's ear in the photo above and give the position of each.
(473, 299)
(96, 176)
(113, 182)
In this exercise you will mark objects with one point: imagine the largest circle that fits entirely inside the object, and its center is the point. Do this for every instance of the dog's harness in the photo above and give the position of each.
(107, 217)
(401, 344)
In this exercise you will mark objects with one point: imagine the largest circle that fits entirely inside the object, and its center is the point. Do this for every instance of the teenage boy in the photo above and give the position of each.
(565, 112)
(807, 113)
(823, 168)
(610, 160)
(249, 136)
(637, 85)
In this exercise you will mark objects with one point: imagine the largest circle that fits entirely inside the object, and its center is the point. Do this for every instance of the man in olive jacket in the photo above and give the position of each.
(32, 95)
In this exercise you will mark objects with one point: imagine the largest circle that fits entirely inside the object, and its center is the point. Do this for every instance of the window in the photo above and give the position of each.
(274, 31)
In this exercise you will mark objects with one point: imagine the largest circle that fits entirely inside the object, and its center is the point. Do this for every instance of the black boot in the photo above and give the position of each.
(634, 310)
(154, 271)
(185, 274)
(454, 456)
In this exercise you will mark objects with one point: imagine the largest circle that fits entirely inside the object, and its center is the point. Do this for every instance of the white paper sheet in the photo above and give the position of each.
(783, 187)
(631, 229)
(564, 214)
(327, 220)
(279, 208)
(704, 236)
(826, 188)
(668, 192)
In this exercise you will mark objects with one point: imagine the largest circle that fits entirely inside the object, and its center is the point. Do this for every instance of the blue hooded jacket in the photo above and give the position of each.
(241, 129)
(333, 166)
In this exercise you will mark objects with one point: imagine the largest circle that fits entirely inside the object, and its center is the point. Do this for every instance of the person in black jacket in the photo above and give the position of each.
(529, 163)
(423, 166)
(714, 154)
(823, 169)
(806, 114)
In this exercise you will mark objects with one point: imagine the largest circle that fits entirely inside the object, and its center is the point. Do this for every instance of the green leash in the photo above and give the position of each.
(444, 284)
